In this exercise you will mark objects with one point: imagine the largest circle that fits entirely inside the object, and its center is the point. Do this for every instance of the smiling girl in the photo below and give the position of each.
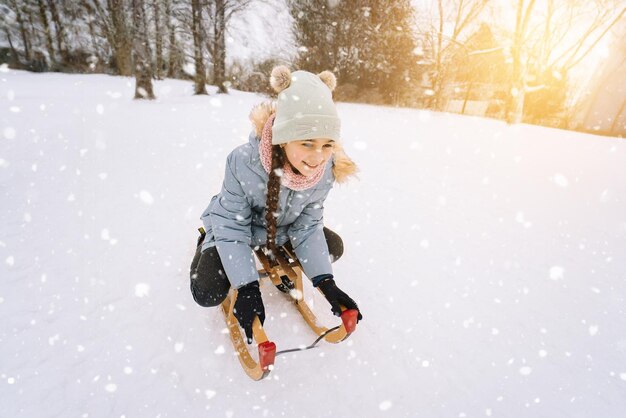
(273, 195)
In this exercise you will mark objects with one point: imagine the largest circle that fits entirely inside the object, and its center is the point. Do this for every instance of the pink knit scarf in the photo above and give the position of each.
(289, 178)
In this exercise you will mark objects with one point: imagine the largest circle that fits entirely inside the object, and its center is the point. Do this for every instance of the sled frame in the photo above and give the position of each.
(287, 264)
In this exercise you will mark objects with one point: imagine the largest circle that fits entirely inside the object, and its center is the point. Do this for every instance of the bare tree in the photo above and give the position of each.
(111, 20)
(515, 102)
(43, 16)
(158, 34)
(174, 55)
(198, 34)
(26, 38)
(459, 15)
(121, 39)
(34, 30)
(141, 53)
(92, 19)
(538, 39)
(29, 18)
(148, 34)
(59, 30)
(220, 12)
(604, 15)
(217, 42)
(6, 19)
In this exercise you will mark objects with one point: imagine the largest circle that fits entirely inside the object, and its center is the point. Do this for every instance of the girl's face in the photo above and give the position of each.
(307, 155)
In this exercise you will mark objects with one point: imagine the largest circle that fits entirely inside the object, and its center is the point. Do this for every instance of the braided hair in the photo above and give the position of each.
(273, 190)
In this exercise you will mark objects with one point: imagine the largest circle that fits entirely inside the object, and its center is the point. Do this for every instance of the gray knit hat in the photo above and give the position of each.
(305, 107)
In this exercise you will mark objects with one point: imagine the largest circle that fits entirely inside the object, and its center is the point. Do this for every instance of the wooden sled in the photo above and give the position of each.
(286, 264)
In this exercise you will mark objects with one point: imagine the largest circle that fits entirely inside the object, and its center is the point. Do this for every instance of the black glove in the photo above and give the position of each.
(248, 305)
(337, 297)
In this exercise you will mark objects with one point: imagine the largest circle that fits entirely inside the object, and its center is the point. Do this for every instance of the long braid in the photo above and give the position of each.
(273, 190)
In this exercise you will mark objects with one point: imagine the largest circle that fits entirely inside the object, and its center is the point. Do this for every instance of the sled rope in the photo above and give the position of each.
(291, 350)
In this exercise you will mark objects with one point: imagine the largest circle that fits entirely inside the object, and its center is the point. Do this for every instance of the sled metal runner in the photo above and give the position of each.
(285, 264)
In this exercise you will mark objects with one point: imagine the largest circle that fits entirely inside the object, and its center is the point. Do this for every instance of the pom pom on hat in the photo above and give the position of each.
(280, 78)
(329, 79)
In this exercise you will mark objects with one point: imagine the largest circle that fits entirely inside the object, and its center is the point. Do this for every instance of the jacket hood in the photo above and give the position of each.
(343, 166)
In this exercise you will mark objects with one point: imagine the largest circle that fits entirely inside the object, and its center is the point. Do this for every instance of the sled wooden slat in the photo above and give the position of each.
(271, 272)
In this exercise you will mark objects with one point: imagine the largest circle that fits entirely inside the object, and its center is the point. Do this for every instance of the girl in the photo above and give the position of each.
(273, 195)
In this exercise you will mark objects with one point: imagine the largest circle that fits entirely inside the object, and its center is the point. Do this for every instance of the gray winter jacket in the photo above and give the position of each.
(235, 219)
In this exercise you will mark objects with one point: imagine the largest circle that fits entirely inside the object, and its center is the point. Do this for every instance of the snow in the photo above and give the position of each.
(488, 261)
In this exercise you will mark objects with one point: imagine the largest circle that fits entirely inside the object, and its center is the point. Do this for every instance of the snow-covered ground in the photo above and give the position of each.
(489, 262)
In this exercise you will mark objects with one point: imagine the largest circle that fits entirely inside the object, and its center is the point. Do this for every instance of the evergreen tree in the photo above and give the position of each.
(368, 43)
(390, 62)
(315, 32)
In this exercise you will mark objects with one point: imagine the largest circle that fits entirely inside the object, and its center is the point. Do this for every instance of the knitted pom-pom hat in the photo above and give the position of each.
(305, 107)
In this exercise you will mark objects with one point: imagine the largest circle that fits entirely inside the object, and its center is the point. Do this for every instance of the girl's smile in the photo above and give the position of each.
(308, 155)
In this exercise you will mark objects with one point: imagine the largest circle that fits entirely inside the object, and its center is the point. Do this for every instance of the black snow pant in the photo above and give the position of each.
(209, 284)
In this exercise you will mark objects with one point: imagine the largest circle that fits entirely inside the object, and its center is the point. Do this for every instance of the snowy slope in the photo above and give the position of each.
(488, 261)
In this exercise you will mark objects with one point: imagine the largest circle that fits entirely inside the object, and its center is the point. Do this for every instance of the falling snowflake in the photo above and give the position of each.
(560, 180)
(146, 197)
(360, 145)
(556, 272)
(9, 133)
(142, 290)
(384, 405)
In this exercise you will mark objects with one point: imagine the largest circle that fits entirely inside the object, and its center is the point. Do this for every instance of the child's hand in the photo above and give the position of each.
(337, 297)
(248, 305)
